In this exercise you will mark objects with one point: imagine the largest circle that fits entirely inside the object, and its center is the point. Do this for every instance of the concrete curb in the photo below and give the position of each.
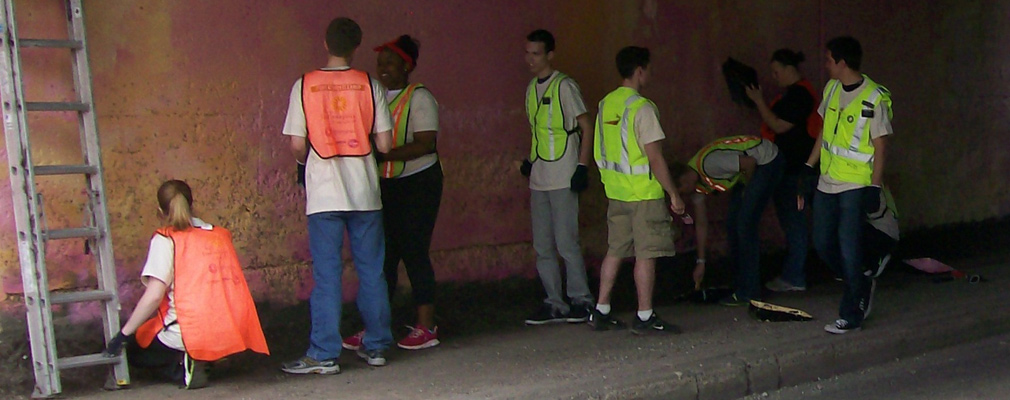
(754, 372)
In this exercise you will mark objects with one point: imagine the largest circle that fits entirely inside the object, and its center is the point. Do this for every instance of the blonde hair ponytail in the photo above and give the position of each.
(175, 199)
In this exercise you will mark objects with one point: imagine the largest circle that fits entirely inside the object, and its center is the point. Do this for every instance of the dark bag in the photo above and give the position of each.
(739, 76)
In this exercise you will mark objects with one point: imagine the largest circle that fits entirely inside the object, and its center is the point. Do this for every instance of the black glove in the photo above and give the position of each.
(580, 179)
(871, 199)
(115, 345)
(526, 168)
(301, 175)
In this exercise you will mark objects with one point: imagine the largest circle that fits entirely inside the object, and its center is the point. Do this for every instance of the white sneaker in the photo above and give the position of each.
(840, 326)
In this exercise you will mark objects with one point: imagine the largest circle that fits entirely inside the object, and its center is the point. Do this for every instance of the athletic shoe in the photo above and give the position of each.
(309, 365)
(840, 326)
(733, 301)
(869, 300)
(780, 285)
(353, 342)
(653, 325)
(545, 315)
(604, 322)
(874, 273)
(578, 313)
(375, 358)
(196, 372)
(420, 338)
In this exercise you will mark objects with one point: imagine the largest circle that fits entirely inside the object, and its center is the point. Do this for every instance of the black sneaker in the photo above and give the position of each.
(546, 315)
(578, 313)
(653, 325)
(840, 326)
(196, 373)
(604, 322)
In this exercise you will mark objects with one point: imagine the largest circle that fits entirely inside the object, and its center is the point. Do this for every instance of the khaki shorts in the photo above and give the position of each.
(641, 228)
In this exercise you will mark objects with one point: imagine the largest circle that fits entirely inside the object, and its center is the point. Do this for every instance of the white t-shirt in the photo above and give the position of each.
(554, 175)
(423, 118)
(339, 183)
(880, 126)
(161, 266)
(724, 164)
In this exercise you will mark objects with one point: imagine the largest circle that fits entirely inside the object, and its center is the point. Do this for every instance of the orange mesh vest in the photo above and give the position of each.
(215, 311)
(339, 112)
(814, 121)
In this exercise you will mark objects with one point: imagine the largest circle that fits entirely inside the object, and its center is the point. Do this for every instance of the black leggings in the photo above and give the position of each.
(409, 209)
(164, 360)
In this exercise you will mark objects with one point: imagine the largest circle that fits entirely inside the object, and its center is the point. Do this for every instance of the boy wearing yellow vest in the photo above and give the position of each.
(749, 168)
(628, 149)
(556, 168)
(196, 305)
(851, 150)
(334, 115)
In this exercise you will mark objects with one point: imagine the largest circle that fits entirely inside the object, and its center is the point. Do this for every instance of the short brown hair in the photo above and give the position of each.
(343, 35)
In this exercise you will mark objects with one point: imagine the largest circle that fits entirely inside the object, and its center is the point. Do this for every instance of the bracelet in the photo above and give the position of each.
(699, 261)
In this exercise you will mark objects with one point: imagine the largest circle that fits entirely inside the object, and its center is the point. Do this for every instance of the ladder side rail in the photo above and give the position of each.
(90, 144)
(31, 245)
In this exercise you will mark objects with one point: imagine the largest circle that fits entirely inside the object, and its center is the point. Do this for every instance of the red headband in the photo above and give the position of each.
(396, 49)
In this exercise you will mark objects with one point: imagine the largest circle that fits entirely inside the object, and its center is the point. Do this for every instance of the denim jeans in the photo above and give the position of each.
(795, 225)
(747, 203)
(838, 238)
(326, 238)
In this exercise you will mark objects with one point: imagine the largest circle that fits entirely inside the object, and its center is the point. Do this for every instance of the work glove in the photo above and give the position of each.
(115, 346)
(301, 175)
(580, 179)
(871, 199)
(526, 168)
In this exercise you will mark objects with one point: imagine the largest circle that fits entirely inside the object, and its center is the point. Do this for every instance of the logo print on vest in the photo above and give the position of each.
(340, 104)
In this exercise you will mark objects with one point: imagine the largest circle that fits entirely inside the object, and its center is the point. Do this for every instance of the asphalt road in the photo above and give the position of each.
(978, 370)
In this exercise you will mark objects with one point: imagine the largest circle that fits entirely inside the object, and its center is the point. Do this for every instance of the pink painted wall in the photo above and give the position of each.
(197, 91)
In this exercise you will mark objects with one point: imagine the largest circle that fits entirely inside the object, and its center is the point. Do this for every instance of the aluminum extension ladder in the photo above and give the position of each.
(32, 232)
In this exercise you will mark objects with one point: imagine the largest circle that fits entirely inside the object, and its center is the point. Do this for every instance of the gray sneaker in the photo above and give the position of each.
(375, 358)
(779, 285)
(309, 365)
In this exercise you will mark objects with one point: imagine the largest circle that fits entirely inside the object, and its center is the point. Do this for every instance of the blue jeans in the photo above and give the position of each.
(838, 238)
(326, 238)
(747, 203)
(795, 224)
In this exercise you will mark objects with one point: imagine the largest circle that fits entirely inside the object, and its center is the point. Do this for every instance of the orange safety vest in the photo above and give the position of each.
(216, 313)
(339, 112)
(814, 121)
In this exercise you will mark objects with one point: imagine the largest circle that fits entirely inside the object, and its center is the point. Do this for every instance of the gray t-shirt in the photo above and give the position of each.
(554, 175)
(724, 164)
(880, 126)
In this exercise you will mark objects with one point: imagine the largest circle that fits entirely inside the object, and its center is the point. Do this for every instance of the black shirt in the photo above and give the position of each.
(795, 144)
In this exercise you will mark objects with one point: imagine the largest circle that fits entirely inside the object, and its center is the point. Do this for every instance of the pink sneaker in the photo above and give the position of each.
(420, 338)
(354, 342)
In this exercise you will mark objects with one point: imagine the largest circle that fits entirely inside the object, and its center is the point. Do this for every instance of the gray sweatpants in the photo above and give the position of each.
(556, 230)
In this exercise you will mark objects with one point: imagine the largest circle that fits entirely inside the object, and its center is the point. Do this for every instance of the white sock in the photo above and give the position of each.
(644, 314)
(603, 308)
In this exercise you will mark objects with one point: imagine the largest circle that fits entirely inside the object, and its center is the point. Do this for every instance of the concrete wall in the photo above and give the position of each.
(198, 90)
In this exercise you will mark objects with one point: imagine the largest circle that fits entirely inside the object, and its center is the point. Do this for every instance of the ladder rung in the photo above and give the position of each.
(72, 233)
(78, 297)
(55, 106)
(90, 360)
(65, 44)
(65, 169)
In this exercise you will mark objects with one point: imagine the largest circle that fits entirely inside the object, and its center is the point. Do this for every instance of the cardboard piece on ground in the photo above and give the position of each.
(773, 313)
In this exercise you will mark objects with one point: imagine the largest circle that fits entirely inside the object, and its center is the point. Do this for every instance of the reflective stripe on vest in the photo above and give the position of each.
(624, 168)
(550, 139)
(399, 109)
(339, 112)
(707, 184)
(215, 312)
(847, 148)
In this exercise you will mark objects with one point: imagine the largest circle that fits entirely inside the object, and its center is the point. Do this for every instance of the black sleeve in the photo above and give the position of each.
(795, 106)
